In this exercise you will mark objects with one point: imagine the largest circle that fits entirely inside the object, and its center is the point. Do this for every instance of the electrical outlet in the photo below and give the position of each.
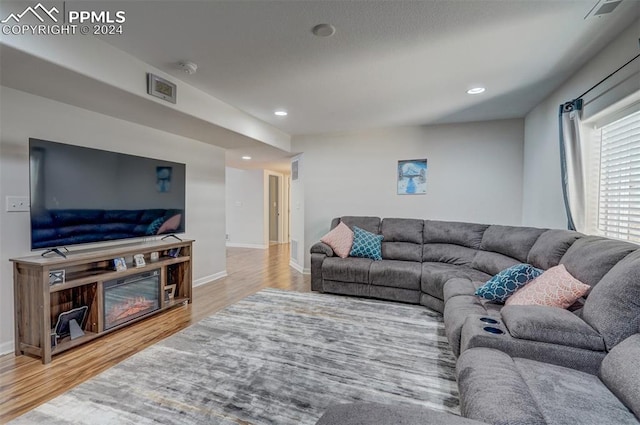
(17, 203)
(227, 236)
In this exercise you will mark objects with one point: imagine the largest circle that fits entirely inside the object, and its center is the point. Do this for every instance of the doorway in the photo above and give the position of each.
(274, 209)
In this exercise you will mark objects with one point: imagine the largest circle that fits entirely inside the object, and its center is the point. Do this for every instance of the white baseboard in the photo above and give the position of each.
(297, 267)
(209, 278)
(6, 347)
(246, 245)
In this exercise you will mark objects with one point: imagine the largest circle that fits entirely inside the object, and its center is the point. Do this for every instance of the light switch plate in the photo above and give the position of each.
(17, 203)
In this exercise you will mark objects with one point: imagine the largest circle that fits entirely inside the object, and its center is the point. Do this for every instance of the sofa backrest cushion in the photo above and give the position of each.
(512, 241)
(451, 242)
(370, 224)
(550, 247)
(620, 372)
(402, 239)
(613, 306)
(492, 263)
(448, 253)
(503, 247)
(591, 257)
(453, 232)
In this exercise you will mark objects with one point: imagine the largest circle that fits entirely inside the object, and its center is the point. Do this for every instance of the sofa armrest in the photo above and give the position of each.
(552, 325)
(381, 414)
(493, 390)
(322, 248)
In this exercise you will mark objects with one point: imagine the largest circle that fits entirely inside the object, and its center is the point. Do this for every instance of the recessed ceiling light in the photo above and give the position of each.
(246, 157)
(281, 113)
(476, 90)
(323, 30)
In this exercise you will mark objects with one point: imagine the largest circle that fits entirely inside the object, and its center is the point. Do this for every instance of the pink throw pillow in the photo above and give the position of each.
(340, 240)
(554, 288)
(170, 225)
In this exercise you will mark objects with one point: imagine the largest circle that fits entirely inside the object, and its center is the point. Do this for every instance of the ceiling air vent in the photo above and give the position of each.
(603, 7)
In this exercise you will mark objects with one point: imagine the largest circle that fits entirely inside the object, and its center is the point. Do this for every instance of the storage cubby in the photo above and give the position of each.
(38, 304)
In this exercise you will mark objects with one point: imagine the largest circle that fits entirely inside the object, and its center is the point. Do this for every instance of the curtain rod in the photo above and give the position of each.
(608, 76)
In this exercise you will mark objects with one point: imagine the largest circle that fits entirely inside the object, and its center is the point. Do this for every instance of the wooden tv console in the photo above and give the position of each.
(38, 303)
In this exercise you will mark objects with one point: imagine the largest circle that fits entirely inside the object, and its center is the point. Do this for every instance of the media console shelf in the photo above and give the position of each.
(149, 290)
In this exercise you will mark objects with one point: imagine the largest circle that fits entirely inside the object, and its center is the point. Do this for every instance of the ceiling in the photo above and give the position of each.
(389, 63)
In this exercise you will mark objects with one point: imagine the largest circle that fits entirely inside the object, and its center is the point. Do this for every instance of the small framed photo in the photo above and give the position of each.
(174, 252)
(138, 259)
(159, 87)
(169, 292)
(119, 264)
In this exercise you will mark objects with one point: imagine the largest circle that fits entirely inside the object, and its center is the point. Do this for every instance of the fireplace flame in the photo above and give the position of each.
(128, 308)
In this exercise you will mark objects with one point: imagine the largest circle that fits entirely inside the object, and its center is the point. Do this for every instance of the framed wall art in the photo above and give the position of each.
(412, 177)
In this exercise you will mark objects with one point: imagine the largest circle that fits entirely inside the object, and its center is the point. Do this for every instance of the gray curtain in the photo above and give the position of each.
(571, 163)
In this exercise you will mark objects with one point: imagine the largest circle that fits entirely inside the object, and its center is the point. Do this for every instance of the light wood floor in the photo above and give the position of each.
(25, 383)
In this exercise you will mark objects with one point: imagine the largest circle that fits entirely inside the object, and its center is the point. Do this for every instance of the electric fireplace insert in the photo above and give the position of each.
(131, 297)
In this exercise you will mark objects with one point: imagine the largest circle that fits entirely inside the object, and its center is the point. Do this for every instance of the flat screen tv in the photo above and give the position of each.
(81, 195)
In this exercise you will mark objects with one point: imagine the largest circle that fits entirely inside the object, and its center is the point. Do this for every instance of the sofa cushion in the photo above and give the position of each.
(396, 274)
(613, 306)
(620, 371)
(551, 325)
(403, 251)
(452, 232)
(554, 288)
(448, 253)
(340, 239)
(402, 230)
(550, 247)
(370, 224)
(366, 244)
(435, 275)
(591, 257)
(515, 242)
(499, 389)
(460, 286)
(346, 269)
(492, 263)
(402, 239)
(502, 285)
(568, 396)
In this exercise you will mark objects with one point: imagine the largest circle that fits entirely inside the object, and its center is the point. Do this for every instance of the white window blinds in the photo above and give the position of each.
(619, 183)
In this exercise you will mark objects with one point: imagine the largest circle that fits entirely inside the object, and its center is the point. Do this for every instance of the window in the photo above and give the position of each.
(618, 194)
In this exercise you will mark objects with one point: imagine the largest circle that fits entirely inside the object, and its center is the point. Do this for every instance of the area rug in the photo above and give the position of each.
(276, 357)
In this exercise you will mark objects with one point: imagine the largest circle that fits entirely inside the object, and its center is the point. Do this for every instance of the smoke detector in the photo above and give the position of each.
(188, 67)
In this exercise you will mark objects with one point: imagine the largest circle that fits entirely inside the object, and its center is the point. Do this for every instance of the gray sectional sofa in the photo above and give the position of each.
(440, 264)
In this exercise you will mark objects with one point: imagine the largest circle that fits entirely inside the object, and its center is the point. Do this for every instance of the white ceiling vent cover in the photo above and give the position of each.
(603, 7)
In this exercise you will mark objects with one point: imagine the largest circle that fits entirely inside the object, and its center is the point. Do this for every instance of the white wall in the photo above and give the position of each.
(245, 208)
(297, 216)
(543, 205)
(24, 115)
(474, 174)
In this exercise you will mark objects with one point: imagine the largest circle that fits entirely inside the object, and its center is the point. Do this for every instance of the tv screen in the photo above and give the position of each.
(81, 195)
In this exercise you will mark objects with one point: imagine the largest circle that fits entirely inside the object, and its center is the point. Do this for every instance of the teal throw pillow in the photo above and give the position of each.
(504, 284)
(366, 244)
(152, 229)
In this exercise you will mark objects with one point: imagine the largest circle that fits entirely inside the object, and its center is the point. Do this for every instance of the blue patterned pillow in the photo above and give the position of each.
(366, 244)
(504, 284)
